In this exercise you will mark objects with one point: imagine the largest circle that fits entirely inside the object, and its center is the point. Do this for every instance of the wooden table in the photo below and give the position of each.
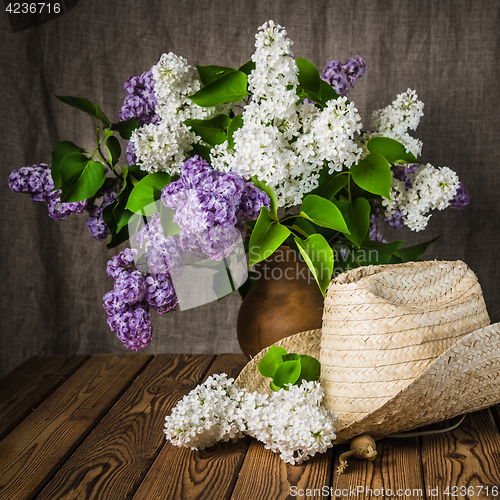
(91, 427)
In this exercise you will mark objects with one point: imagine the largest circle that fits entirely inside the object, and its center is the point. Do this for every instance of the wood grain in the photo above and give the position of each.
(208, 474)
(35, 449)
(468, 456)
(23, 389)
(99, 435)
(396, 467)
(495, 410)
(114, 458)
(265, 475)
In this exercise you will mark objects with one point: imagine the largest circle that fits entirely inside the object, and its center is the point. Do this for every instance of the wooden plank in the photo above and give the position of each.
(36, 448)
(24, 388)
(265, 475)
(396, 469)
(185, 474)
(116, 455)
(467, 457)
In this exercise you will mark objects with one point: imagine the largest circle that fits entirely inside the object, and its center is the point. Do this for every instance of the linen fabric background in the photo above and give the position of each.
(53, 273)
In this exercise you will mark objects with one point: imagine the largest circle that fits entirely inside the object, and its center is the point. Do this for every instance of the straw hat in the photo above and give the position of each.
(401, 346)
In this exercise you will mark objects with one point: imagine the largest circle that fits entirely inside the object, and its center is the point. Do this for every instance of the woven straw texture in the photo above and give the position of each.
(300, 343)
(383, 326)
(415, 334)
(465, 378)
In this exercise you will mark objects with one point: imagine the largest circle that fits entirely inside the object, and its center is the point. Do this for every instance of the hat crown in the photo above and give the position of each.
(383, 326)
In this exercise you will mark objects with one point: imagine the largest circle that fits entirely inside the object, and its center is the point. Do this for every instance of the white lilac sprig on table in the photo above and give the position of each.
(290, 422)
(225, 149)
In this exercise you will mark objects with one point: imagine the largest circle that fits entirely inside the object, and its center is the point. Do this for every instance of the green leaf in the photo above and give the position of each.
(373, 173)
(310, 368)
(81, 177)
(59, 151)
(415, 252)
(236, 123)
(290, 357)
(210, 73)
(318, 256)
(201, 150)
(370, 253)
(303, 227)
(231, 87)
(125, 127)
(271, 360)
(329, 185)
(247, 68)
(120, 213)
(108, 217)
(270, 192)
(327, 92)
(117, 237)
(135, 173)
(323, 212)
(114, 149)
(122, 217)
(309, 79)
(267, 236)
(99, 114)
(246, 287)
(143, 193)
(79, 103)
(391, 149)
(274, 387)
(376, 252)
(85, 105)
(357, 217)
(287, 372)
(212, 131)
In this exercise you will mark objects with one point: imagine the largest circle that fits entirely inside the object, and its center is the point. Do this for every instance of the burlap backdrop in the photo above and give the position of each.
(53, 273)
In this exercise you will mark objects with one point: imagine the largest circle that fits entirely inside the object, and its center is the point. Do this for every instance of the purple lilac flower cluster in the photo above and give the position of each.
(461, 198)
(37, 181)
(95, 222)
(140, 103)
(374, 232)
(343, 77)
(212, 208)
(162, 254)
(128, 304)
(402, 173)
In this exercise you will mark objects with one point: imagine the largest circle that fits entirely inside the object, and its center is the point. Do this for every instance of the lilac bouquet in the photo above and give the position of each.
(224, 155)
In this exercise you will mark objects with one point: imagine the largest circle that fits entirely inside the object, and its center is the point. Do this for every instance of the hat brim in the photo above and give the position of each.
(465, 378)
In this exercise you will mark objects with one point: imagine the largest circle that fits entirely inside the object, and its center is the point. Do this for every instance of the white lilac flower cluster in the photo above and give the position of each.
(416, 189)
(280, 143)
(395, 120)
(421, 189)
(289, 422)
(162, 144)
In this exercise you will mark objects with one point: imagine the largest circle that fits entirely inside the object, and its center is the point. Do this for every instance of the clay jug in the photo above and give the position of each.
(284, 300)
